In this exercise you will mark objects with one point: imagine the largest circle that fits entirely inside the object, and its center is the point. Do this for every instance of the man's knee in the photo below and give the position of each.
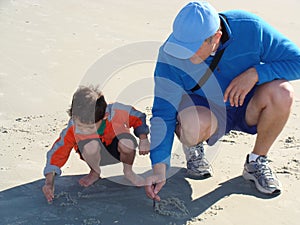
(277, 93)
(282, 93)
(286, 94)
(196, 125)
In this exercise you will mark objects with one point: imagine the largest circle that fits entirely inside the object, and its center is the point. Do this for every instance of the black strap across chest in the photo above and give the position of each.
(213, 64)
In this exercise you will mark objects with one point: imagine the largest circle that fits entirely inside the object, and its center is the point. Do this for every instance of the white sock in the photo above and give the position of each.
(253, 157)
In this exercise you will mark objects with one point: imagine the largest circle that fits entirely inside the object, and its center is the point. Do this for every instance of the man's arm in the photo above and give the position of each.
(280, 56)
(155, 182)
(168, 93)
(167, 96)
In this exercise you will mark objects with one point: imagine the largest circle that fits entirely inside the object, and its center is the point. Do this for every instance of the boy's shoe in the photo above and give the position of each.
(259, 172)
(197, 165)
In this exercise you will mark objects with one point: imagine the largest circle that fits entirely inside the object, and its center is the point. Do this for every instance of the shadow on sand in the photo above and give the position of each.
(107, 202)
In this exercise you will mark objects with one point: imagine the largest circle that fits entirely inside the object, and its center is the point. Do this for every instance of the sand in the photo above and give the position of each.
(48, 48)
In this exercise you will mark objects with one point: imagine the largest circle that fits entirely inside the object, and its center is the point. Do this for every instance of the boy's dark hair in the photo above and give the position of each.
(88, 105)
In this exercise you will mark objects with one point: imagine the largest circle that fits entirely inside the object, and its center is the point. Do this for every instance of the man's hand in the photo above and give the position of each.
(144, 146)
(240, 87)
(155, 182)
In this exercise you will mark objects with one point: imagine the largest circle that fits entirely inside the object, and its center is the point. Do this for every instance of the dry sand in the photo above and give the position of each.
(48, 48)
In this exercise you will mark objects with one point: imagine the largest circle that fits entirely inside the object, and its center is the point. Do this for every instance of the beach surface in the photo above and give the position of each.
(48, 48)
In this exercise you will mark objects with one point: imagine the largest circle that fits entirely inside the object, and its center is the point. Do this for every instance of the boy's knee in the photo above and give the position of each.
(91, 148)
(126, 146)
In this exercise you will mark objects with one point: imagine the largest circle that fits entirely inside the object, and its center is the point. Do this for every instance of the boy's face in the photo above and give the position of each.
(87, 128)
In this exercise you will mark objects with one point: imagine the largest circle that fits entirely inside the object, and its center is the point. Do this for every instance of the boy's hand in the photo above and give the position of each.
(144, 146)
(48, 188)
(48, 191)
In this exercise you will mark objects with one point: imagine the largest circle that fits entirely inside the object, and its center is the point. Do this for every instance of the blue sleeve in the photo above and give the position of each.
(167, 96)
(280, 57)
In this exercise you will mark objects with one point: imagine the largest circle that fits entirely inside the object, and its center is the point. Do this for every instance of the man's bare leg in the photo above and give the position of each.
(127, 154)
(195, 124)
(269, 109)
(91, 154)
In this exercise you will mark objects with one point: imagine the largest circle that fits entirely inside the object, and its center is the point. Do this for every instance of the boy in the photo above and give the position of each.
(94, 128)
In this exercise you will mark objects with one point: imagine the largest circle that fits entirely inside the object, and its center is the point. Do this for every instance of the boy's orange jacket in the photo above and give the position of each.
(120, 119)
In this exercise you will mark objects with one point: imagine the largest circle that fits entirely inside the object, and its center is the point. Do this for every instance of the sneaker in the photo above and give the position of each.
(197, 165)
(261, 174)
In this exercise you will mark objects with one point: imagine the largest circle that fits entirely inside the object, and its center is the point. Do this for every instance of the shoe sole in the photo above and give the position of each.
(250, 177)
(198, 176)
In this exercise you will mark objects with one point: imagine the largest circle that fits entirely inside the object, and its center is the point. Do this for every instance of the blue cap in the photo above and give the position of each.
(194, 23)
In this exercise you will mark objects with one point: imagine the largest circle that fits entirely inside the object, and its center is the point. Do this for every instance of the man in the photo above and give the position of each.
(248, 91)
